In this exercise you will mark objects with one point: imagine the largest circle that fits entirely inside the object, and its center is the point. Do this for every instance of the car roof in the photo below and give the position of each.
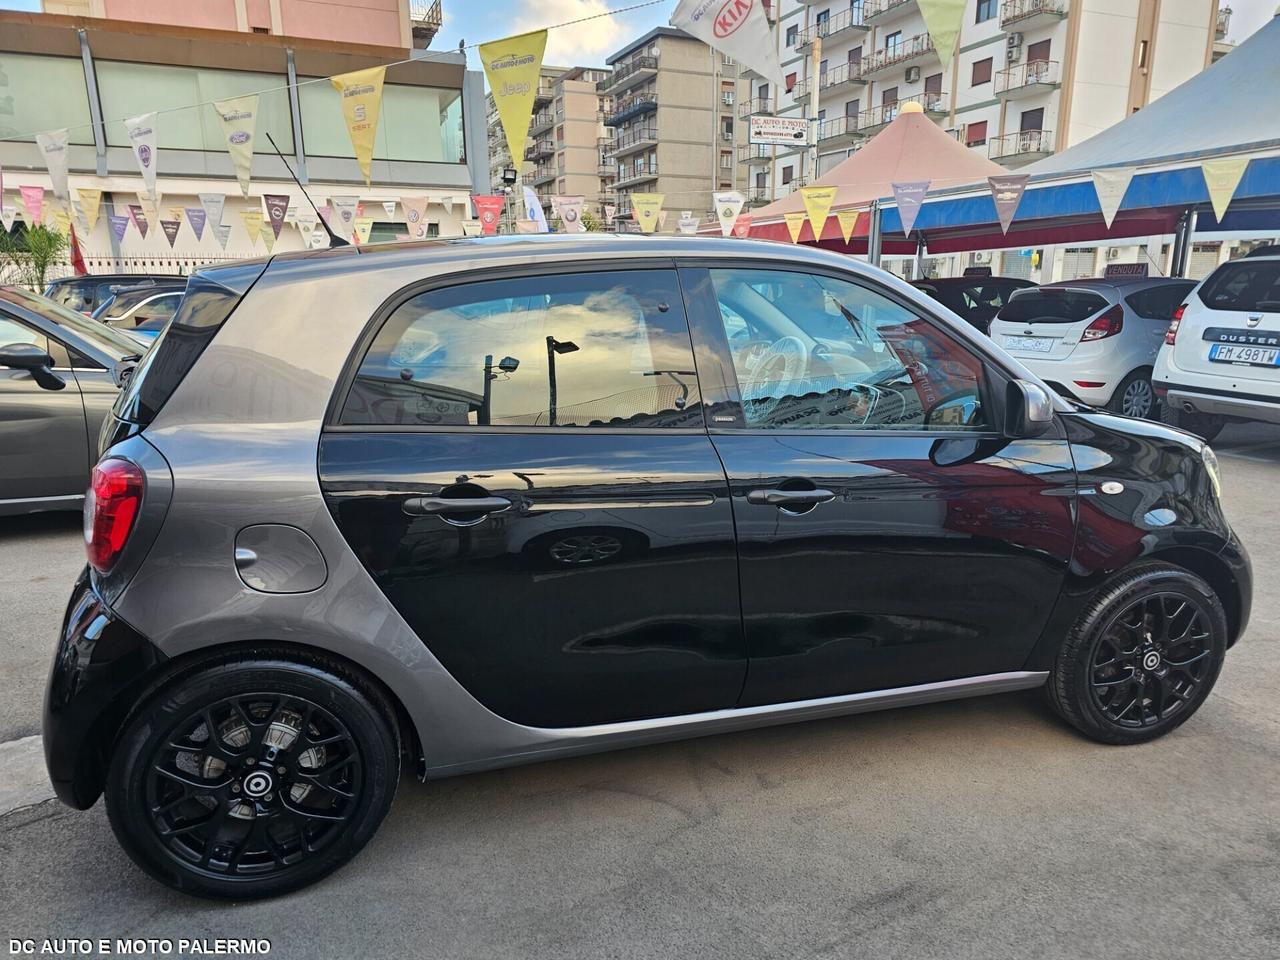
(1115, 283)
(967, 281)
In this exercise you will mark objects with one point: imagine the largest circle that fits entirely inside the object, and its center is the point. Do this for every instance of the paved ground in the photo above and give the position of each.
(981, 829)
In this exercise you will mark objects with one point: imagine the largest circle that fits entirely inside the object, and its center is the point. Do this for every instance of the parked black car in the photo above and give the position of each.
(86, 294)
(976, 300)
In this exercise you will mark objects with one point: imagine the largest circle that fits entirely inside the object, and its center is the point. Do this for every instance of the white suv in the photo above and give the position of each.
(1094, 340)
(1221, 356)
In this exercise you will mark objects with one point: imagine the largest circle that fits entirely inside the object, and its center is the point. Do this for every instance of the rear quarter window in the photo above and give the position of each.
(1244, 285)
(1050, 305)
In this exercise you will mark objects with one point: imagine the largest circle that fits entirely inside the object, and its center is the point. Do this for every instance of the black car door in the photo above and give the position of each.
(888, 534)
(522, 465)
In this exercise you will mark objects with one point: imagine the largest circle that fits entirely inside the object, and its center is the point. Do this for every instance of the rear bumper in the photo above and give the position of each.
(99, 663)
(1222, 403)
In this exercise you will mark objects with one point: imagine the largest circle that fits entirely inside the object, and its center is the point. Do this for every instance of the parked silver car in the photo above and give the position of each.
(58, 380)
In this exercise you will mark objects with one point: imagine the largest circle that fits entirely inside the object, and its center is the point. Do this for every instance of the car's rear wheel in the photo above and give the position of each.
(1203, 425)
(251, 778)
(1135, 397)
(1143, 656)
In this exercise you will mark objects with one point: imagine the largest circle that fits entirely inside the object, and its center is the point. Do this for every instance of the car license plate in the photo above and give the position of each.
(1034, 344)
(1236, 353)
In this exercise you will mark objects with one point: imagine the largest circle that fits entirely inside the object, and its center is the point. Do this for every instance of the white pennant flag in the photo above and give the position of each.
(343, 220)
(390, 207)
(689, 225)
(223, 232)
(447, 203)
(239, 117)
(214, 204)
(415, 216)
(53, 147)
(737, 28)
(569, 210)
(533, 210)
(142, 137)
(728, 206)
(1111, 186)
(306, 223)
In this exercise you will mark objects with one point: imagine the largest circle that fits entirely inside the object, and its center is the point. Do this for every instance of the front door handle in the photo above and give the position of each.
(445, 506)
(789, 498)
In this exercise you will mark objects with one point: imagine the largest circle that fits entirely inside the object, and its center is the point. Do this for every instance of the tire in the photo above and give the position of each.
(301, 772)
(1206, 426)
(1135, 397)
(1090, 693)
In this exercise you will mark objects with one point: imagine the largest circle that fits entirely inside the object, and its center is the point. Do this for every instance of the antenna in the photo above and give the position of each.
(334, 239)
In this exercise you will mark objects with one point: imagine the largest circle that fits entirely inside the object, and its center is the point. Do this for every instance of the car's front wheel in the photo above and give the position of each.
(1142, 657)
(252, 777)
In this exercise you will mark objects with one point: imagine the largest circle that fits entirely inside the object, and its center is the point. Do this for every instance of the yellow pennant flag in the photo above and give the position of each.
(512, 66)
(944, 20)
(1222, 177)
(61, 218)
(795, 223)
(361, 92)
(364, 226)
(252, 218)
(267, 234)
(848, 220)
(817, 204)
(646, 207)
(90, 204)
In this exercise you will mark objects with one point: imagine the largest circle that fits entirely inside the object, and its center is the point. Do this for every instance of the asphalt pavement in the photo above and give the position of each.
(982, 828)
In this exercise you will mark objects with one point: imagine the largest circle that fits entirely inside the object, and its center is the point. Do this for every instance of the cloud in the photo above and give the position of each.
(583, 44)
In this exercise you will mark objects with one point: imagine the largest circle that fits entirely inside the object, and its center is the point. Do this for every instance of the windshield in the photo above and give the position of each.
(1051, 305)
(107, 340)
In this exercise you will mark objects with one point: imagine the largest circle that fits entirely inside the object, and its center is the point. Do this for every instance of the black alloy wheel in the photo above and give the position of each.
(1142, 658)
(249, 779)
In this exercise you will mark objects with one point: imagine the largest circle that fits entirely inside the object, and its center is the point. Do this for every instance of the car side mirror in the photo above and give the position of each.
(1028, 410)
(29, 357)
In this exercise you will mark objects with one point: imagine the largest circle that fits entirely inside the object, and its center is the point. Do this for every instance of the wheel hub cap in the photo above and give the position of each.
(1151, 660)
(257, 784)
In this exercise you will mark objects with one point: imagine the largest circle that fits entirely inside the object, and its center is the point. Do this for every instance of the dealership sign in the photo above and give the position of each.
(786, 130)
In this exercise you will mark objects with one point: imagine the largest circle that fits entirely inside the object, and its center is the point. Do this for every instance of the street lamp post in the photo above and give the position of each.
(555, 346)
(506, 365)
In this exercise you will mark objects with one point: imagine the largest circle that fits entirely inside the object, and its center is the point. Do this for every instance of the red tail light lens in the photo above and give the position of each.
(110, 508)
(1171, 335)
(1107, 325)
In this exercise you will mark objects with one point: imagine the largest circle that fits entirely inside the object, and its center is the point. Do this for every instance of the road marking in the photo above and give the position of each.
(24, 781)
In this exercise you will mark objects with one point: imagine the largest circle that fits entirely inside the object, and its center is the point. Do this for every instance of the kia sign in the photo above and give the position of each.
(779, 130)
(737, 28)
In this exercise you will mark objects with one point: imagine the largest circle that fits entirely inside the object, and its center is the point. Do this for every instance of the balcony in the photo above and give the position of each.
(831, 27)
(634, 174)
(627, 75)
(757, 197)
(840, 77)
(425, 20)
(541, 123)
(756, 107)
(1027, 79)
(1223, 24)
(545, 93)
(629, 141)
(631, 107)
(877, 118)
(1019, 15)
(540, 150)
(755, 153)
(1022, 147)
(800, 92)
(544, 175)
(840, 131)
(876, 12)
(901, 54)
(606, 171)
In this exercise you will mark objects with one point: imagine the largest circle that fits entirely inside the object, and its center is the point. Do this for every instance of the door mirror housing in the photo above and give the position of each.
(1028, 410)
(29, 357)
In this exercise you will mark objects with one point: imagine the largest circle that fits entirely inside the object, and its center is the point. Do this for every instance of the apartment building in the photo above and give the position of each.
(506, 171)
(674, 118)
(1031, 77)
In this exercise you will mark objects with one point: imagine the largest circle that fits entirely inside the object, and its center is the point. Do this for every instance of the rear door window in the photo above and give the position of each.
(1158, 303)
(1244, 285)
(1051, 305)
(604, 349)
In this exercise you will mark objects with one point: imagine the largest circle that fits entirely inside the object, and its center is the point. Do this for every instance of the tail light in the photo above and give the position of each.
(1107, 325)
(1171, 335)
(110, 509)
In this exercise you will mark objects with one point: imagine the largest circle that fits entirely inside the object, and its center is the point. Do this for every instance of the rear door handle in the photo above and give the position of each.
(444, 506)
(788, 498)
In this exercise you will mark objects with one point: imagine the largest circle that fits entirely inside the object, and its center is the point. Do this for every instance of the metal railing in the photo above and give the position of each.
(541, 121)
(848, 72)
(1019, 143)
(626, 71)
(631, 137)
(1027, 74)
(888, 112)
(636, 172)
(897, 53)
(844, 20)
(838, 127)
(1015, 11)
(754, 152)
(631, 107)
(876, 8)
(751, 108)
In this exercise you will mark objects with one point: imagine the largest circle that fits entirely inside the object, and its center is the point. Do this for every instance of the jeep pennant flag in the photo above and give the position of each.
(364, 227)
(737, 28)
(142, 137)
(277, 207)
(742, 226)
(848, 219)
(489, 210)
(33, 200)
(795, 224)
(817, 205)
(910, 198)
(213, 204)
(689, 226)
(1222, 177)
(1111, 186)
(361, 92)
(343, 216)
(415, 216)
(139, 218)
(252, 220)
(90, 205)
(943, 19)
(646, 207)
(1006, 193)
(197, 219)
(569, 210)
(53, 147)
(170, 228)
(512, 66)
(118, 226)
(223, 232)
(390, 207)
(268, 236)
(533, 211)
(239, 117)
(728, 206)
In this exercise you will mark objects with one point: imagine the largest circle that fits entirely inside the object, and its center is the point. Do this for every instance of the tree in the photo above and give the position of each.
(30, 253)
(591, 222)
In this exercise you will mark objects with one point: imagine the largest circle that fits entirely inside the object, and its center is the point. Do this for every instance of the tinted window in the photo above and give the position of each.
(110, 342)
(1244, 285)
(1051, 305)
(585, 350)
(1158, 303)
(811, 352)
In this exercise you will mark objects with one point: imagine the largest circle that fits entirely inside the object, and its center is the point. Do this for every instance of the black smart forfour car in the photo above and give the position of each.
(460, 505)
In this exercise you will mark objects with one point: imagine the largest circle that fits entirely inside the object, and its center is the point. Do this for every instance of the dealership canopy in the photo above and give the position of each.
(1213, 117)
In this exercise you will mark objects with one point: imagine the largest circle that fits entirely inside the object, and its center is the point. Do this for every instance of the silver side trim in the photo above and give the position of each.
(23, 500)
(569, 741)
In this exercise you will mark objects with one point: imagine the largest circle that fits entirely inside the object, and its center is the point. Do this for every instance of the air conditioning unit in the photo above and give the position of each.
(1013, 48)
(982, 259)
(913, 74)
(1113, 253)
(727, 97)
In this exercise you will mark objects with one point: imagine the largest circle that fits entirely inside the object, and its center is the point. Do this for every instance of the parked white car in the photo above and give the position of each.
(1093, 340)
(1221, 355)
